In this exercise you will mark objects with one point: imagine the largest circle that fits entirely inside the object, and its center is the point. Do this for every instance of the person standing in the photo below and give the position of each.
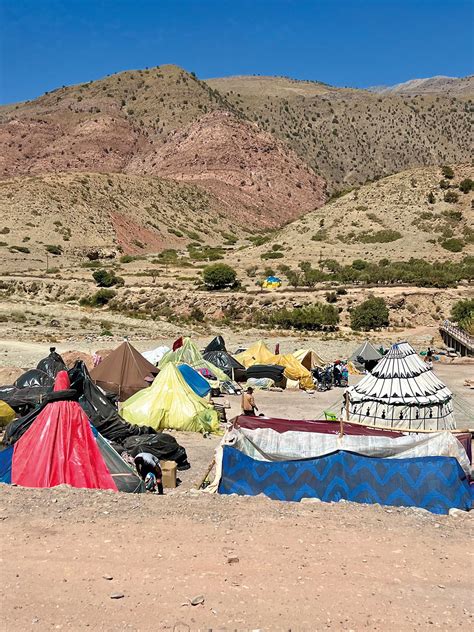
(248, 402)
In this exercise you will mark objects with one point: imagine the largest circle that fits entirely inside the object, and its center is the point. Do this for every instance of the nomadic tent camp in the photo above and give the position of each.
(216, 353)
(188, 353)
(402, 392)
(171, 403)
(259, 353)
(124, 372)
(365, 357)
(61, 447)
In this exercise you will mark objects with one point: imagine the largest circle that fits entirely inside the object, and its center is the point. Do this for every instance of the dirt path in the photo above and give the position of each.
(258, 564)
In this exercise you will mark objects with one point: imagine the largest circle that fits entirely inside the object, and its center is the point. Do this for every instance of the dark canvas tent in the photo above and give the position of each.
(365, 357)
(216, 344)
(124, 372)
(216, 353)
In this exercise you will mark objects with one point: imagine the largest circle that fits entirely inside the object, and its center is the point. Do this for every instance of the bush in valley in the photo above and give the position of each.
(219, 276)
(107, 278)
(205, 253)
(451, 197)
(127, 259)
(22, 249)
(311, 318)
(197, 314)
(447, 172)
(462, 313)
(99, 299)
(444, 184)
(54, 250)
(466, 185)
(371, 314)
(453, 245)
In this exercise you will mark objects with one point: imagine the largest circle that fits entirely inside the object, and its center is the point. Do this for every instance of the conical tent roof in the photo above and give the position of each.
(309, 358)
(367, 352)
(188, 353)
(60, 448)
(216, 344)
(171, 403)
(402, 392)
(123, 372)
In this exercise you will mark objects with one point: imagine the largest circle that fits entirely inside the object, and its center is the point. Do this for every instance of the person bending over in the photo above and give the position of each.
(149, 470)
(248, 402)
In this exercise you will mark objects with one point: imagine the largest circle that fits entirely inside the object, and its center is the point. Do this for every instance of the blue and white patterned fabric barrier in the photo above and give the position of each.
(433, 483)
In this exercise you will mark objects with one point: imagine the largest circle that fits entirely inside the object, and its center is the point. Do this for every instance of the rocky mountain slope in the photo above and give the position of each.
(352, 136)
(431, 85)
(402, 216)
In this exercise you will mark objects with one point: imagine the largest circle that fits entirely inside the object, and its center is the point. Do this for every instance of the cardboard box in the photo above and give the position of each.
(169, 469)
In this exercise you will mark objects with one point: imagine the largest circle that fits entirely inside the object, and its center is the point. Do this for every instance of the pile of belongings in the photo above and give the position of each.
(316, 459)
(271, 283)
(260, 383)
(124, 372)
(365, 357)
(170, 402)
(402, 392)
(61, 447)
(260, 354)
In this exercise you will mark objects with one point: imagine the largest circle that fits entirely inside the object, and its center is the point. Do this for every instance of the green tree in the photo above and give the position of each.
(466, 185)
(219, 276)
(462, 310)
(371, 314)
(104, 278)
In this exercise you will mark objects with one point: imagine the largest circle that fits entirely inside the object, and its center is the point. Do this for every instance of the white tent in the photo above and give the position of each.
(402, 392)
(155, 355)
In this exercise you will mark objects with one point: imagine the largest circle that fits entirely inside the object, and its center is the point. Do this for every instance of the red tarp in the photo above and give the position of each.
(303, 425)
(59, 448)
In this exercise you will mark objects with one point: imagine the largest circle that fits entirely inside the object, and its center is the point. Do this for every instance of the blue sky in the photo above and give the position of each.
(48, 43)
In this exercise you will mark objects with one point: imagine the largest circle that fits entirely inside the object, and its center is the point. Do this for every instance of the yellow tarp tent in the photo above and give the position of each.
(7, 414)
(170, 403)
(309, 358)
(259, 353)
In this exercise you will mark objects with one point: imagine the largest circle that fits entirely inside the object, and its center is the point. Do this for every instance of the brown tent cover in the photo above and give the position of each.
(123, 372)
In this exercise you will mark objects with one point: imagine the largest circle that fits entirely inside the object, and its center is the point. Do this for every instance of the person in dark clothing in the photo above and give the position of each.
(149, 469)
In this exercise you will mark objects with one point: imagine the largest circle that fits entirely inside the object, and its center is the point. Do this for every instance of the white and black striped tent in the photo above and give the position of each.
(401, 392)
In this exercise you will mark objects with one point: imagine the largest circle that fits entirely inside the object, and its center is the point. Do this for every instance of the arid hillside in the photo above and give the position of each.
(353, 136)
(160, 122)
(432, 85)
(418, 213)
(115, 213)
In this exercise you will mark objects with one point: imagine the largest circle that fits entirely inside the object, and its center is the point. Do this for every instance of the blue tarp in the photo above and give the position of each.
(6, 457)
(434, 483)
(195, 380)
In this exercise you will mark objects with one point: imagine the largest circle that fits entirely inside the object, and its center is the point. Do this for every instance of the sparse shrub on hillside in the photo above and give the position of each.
(127, 259)
(99, 299)
(219, 276)
(320, 235)
(197, 314)
(453, 244)
(466, 185)
(431, 197)
(453, 216)
(54, 250)
(451, 197)
(444, 184)
(447, 172)
(331, 297)
(371, 314)
(22, 249)
(258, 240)
(360, 264)
(272, 254)
(380, 237)
(106, 278)
(176, 232)
(4, 231)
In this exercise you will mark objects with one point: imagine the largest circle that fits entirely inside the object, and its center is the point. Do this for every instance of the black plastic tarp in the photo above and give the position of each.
(52, 364)
(162, 445)
(226, 363)
(271, 371)
(34, 377)
(100, 410)
(216, 344)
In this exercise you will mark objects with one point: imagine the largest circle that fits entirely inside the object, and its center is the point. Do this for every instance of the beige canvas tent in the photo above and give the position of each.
(124, 372)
